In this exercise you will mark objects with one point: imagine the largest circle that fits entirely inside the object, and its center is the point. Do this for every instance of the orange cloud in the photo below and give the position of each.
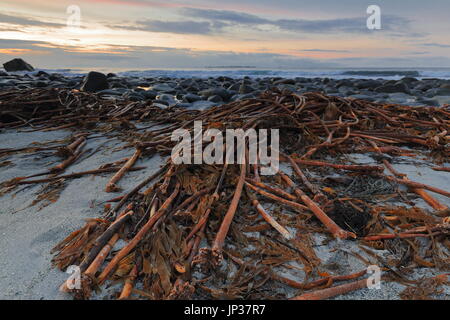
(138, 3)
(14, 51)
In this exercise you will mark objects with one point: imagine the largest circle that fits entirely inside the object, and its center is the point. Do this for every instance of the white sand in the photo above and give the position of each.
(26, 237)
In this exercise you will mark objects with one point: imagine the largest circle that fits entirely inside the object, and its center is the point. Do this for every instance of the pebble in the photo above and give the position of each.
(202, 93)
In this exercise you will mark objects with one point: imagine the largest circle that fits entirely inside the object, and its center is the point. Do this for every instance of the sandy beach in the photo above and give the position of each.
(29, 234)
(31, 226)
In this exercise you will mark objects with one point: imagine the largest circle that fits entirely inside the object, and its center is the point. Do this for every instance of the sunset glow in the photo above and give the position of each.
(286, 33)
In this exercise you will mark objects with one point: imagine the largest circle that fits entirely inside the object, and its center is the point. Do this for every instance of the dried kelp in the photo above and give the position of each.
(224, 231)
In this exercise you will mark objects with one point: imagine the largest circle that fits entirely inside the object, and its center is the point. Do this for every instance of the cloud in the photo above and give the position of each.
(45, 55)
(436, 45)
(324, 50)
(27, 21)
(342, 25)
(177, 27)
(19, 43)
(181, 27)
(348, 25)
(208, 21)
(142, 3)
(225, 16)
(418, 52)
(129, 57)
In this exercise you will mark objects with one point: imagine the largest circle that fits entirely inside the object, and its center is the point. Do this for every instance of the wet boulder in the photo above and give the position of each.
(393, 88)
(94, 82)
(17, 65)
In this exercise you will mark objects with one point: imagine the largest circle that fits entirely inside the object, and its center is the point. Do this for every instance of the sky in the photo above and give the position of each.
(292, 34)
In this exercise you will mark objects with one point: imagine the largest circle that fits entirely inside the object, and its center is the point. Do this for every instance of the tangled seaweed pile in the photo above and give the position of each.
(205, 231)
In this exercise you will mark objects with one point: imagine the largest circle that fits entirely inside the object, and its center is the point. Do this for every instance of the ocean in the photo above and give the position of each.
(238, 72)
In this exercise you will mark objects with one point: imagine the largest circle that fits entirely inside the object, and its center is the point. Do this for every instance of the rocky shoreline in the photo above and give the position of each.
(201, 93)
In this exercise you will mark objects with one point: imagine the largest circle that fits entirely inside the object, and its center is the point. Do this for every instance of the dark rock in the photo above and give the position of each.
(244, 88)
(429, 102)
(118, 85)
(423, 86)
(112, 92)
(3, 74)
(301, 79)
(7, 83)
(311, 88)
(401, 98)
(73, 84)
(223, 79)
(248, 96)
(179, 95)
(329, 90)
(438, 92)
(393, 88)
(237, 97)
(41, 84)
(149, 94)
(133, 96)
(41, 74)
(163, 87)
(443, 100)
(111, 75)
(17, 65)
(215, 99)
(57, 84)
(54, 77)
(445, 88)
(409, 80)
(221, 92)
(367, 84)
(190, 97)
(143, 85)
(284, 81)
(179, 90)
(167, 98)
(163, 102)
(344, 82)
(184, 105)
(234, 87)
(362, 97)
(186, 83)
(94, 81)
(202, 105)
(289, 87)
(347, 91)
(193, 89)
